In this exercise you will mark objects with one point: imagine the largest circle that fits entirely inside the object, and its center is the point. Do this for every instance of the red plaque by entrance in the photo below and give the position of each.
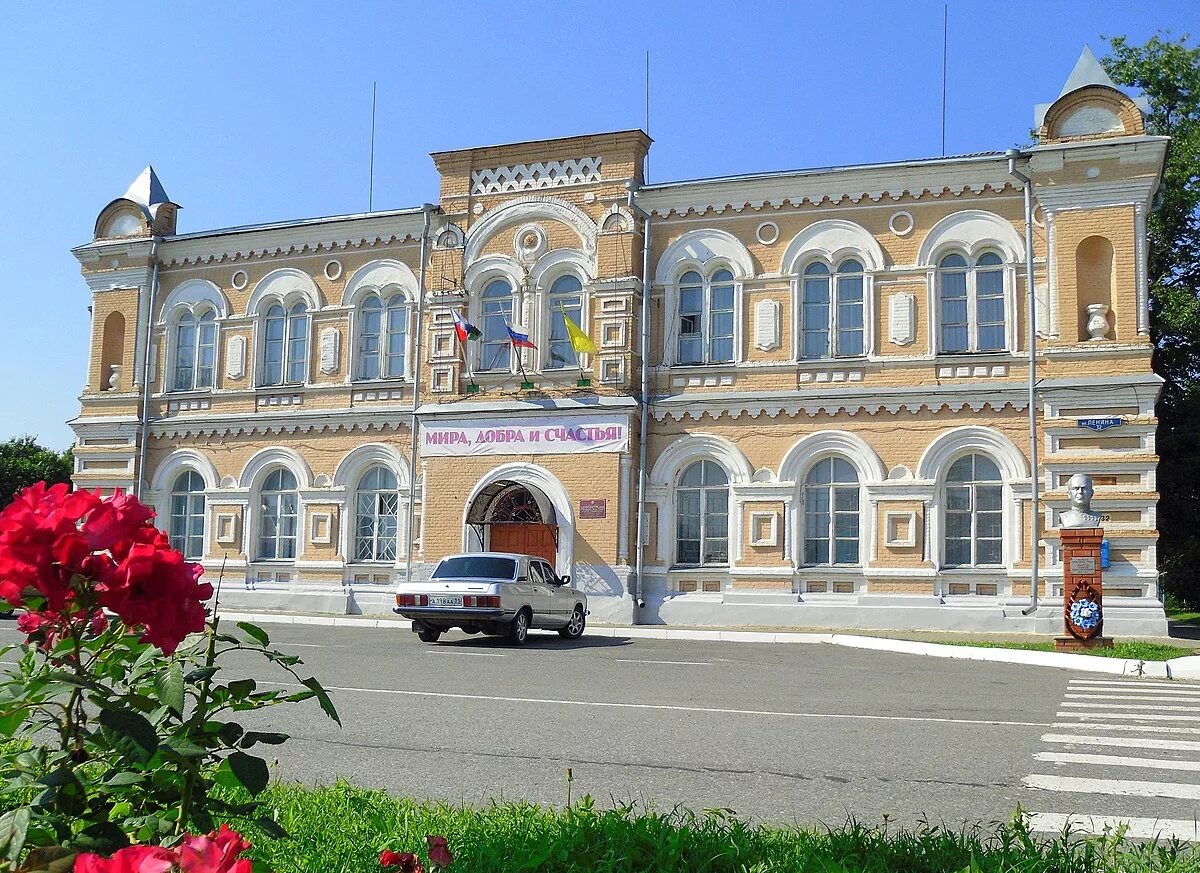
(1083, 592)
(593, 508)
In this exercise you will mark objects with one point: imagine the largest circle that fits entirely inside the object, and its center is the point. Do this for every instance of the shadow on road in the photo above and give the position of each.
(537, 641)
(1181, 631)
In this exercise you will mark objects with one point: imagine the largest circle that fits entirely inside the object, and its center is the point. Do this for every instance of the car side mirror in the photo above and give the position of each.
(564, 580)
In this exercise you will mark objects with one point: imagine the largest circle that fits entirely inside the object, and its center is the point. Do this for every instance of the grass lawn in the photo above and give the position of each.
(342, 829)
(1133, 650)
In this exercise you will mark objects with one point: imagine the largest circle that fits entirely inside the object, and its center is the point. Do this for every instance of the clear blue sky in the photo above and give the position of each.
(261, 112)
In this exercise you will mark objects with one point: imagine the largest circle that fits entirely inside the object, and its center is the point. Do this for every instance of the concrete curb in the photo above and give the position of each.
(1178, 668)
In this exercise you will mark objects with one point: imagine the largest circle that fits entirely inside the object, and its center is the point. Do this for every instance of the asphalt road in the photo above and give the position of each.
(808, 733)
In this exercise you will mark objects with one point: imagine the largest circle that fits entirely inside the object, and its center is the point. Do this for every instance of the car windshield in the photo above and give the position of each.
(476, 567)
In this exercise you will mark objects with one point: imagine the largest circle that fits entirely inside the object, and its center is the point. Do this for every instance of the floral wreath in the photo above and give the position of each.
(1085, 614)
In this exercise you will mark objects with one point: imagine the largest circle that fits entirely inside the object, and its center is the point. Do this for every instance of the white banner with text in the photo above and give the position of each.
(548, 435)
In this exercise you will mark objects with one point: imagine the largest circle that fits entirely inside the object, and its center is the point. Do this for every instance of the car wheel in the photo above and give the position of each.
(518, 630)
(574, 628)
(429, 635)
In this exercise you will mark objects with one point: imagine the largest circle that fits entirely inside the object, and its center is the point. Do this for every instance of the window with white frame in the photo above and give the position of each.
(564, 301)
(377, 508)
(187, 515)
(832, 308)
(706, 310)
(496, 312)
(974, 513)
(831, 513)
(382, 337)
(195, 351)
(702, 516)
(971, 311)
(285, 345)
(279, 516)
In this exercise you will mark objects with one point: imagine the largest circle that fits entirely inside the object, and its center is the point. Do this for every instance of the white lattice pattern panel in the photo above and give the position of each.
(522, 177)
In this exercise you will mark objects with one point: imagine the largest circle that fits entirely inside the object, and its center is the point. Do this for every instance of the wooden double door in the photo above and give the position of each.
(524, 538)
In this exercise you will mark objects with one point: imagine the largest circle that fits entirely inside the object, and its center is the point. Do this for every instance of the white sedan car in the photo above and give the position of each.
(493, 593)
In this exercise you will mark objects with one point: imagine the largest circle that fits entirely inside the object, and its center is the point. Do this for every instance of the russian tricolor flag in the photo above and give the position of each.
(518, 339)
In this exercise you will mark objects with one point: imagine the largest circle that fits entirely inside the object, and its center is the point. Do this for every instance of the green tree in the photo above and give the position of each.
(23, 462)
(1167, 72)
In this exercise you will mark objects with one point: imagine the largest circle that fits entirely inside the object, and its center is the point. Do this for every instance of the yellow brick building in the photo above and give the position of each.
(807, 404)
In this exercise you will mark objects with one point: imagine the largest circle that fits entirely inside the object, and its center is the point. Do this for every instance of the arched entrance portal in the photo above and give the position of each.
(508, 516)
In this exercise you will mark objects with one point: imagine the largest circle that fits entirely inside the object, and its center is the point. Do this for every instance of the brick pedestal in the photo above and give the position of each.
(1083, 605)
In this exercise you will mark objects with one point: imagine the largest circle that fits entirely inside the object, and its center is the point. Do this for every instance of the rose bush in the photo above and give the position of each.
(119, 701)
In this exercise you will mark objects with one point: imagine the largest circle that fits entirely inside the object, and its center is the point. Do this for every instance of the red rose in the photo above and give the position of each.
(132, 859)
(439, 852)
(155, 587)
(30, 623)
(216, 853)
(117, 518)
(406, 862)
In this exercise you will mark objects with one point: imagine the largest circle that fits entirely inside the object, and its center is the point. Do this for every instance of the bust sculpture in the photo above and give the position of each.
(1080, 515)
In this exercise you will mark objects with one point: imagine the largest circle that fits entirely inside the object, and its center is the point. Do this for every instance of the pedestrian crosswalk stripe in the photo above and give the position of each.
(1136, 828)
(1131, 683)
(1139, 697)
(1117, 761)
(1135, 728)
(1151, 716)
(1117, 787)
(1144, 707)
(1124, 742)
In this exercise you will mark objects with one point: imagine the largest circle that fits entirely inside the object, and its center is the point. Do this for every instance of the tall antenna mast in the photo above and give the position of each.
(647, 112)
(945, 44)
(371, 172)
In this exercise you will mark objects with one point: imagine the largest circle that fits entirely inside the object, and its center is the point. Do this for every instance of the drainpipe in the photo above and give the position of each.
(144, 426)
(427, 209)
(644, 423)
(1036, 532)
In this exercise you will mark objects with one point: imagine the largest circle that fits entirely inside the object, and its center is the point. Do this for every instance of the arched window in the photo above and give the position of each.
(702, 515)
(831, 313)
(195, 351)
(831, 513)
(495, 349)
(285, 345)
(974, 513)
(706, 309)
(279, 517)
(382, 338)
(972, 307)
(565, 301)
(187, 515)
(378, 507)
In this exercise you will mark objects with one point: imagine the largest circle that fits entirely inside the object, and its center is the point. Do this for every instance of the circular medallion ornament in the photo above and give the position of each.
(529, 243)
(767, 232)
(240, 280)
(333, 269)
(901, 223)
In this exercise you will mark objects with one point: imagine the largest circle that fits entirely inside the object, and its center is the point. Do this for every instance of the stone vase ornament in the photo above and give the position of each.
(114, 378)
(1097, 321)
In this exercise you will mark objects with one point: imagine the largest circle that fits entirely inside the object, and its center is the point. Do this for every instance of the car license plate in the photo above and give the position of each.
(445, 600)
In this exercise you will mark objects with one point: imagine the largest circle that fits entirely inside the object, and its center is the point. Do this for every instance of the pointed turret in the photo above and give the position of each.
(145, 208)
(1090, 105)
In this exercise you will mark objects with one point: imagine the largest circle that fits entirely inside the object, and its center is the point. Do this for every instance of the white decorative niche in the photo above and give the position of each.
(320, 528)
(902, 318)
(900, 529)
(764, 529)
(766, 325)
(226, 529)
(235, 357)
(331, 339)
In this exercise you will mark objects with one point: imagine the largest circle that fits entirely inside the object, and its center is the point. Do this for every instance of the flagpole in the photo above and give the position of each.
(526, 385)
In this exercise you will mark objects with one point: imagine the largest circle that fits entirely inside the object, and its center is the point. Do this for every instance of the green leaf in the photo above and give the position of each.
(195, 677)
(49, 859)
(271, 828)
(61, 776)
(185, 747)
(230, 732)
(13, 825)
(169, 685)
(124, 777)
(11, 720)
(239, 688)
(271, 739)
(326, 704)
(252, 772)
(253, 630)
(131, 734)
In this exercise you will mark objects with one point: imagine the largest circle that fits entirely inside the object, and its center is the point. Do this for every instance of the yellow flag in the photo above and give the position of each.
(580, 341)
